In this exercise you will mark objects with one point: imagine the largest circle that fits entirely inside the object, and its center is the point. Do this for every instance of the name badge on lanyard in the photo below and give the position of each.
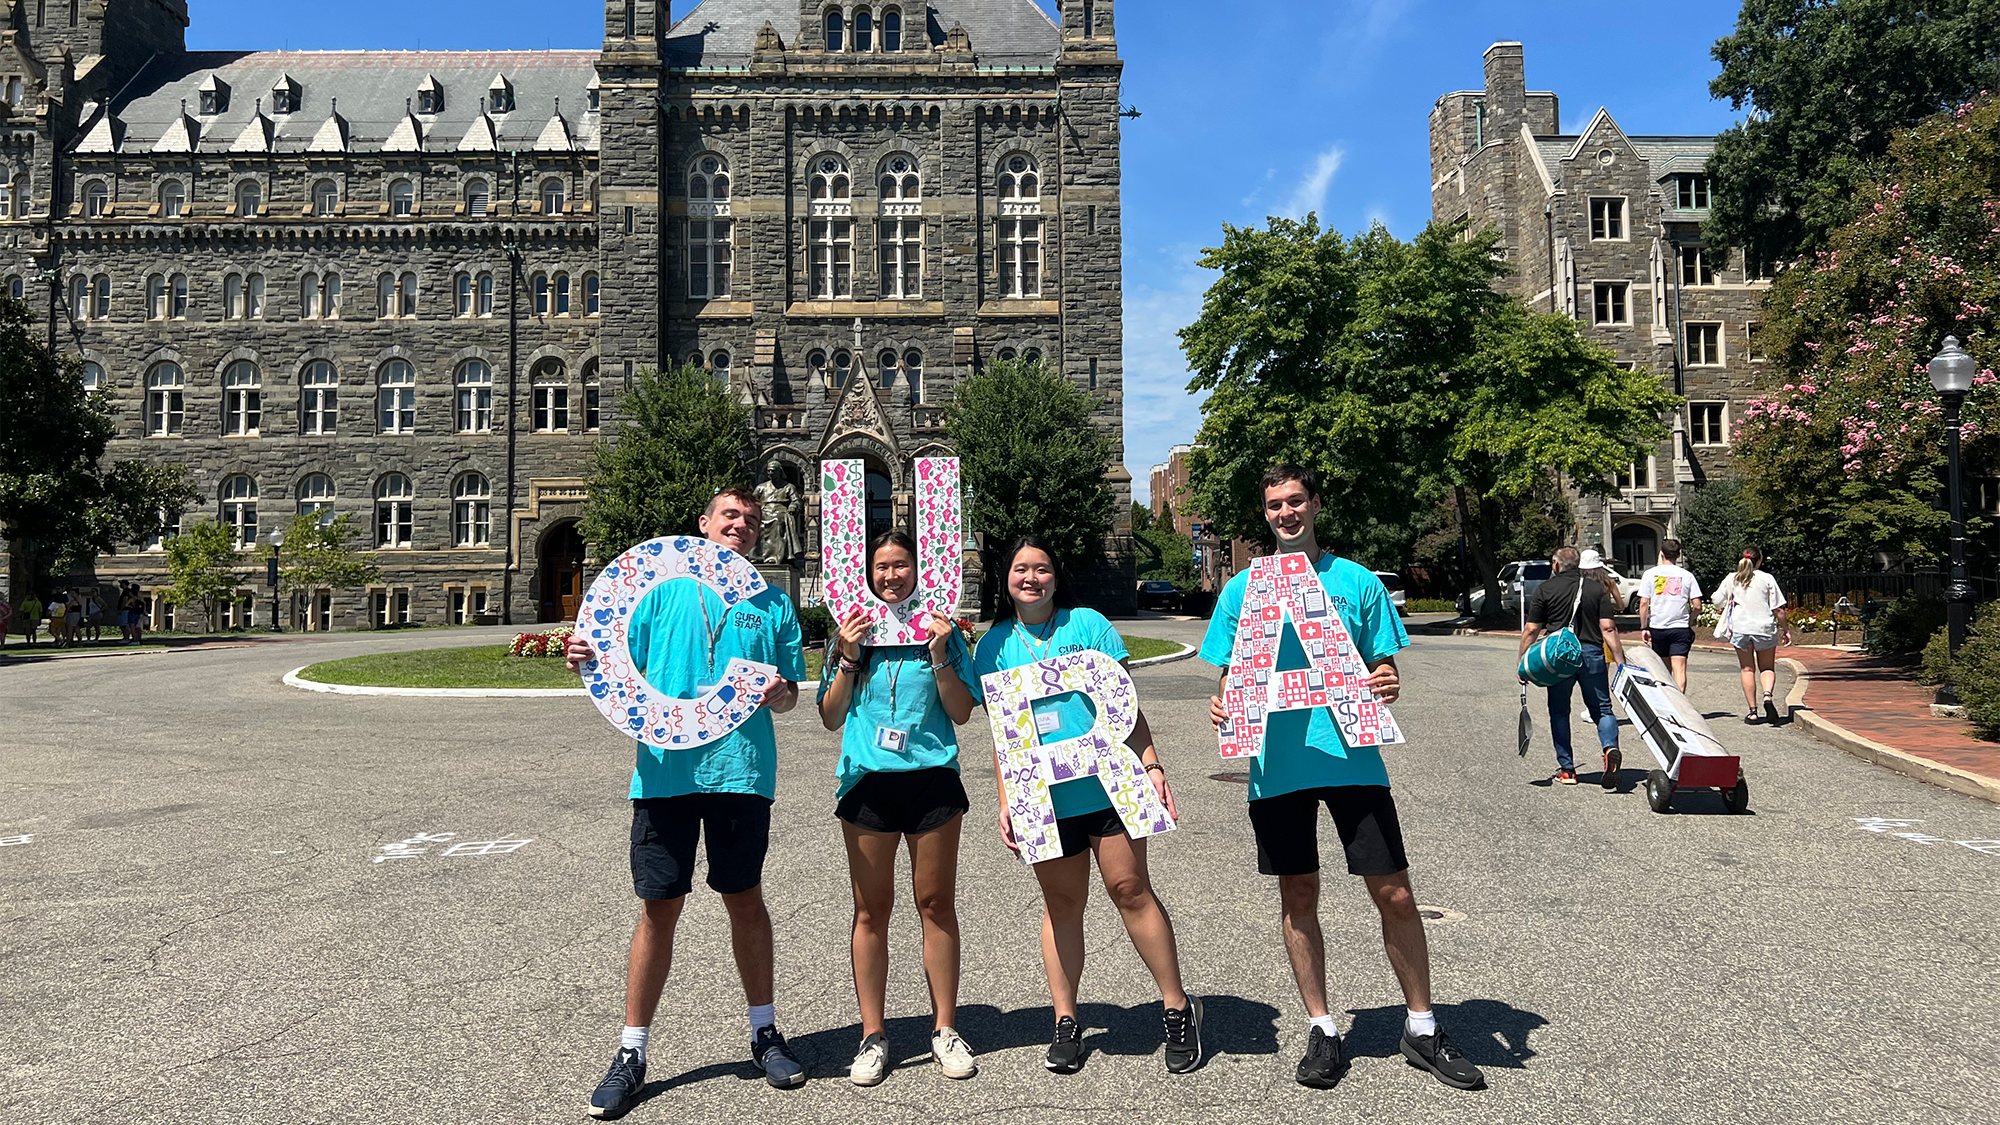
(892, 740)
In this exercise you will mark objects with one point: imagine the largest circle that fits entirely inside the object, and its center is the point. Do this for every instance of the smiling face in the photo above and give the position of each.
(1031, 579)
(893, 574)
(1291, 512)
(733, 522)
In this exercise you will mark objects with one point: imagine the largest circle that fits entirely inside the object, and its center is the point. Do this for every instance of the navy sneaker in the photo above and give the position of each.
(619, 1092)
(769, 1052)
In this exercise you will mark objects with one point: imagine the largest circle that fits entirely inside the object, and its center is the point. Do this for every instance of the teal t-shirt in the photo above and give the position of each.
(669, 640)
(1011, 644)
(1303, 749)
(898, 691)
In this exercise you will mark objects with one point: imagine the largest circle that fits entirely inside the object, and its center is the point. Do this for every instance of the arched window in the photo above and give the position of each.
(319, 295)
(239, 509)
(886, 364)
(165, 386)
(592, 416)
(474, 382)
(718, 366)
(396, 397)
(590, 303)
(406, 295)
(93, 377)
(79, 297)
(1020, 227)
(385, 296)
(156, 297)
(177, 296)
(892, 29)
(901, 229)
(711, 231)
(551, 397)
(462, 295)
(242, 399)
(249, 198)
(172, 200)
(7, 201)
(319, 398)
(830, 231)
(843, 366)
(243, 296)
(471, 511)
(1032, 357)
(316, 497)
(836, 30)
(393, 500)
(552, 196)
(538, 285)
(476, 198)
(326, 197)
(402, 198)
(96, 199)
(485, 305)
(816, 367)
(100, 297)
(561, 286)
(864, 30)
(232, 296)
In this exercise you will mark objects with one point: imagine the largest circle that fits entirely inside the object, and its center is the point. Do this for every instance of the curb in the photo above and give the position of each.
(1875, 753)
(292, 680)
(1186, 653)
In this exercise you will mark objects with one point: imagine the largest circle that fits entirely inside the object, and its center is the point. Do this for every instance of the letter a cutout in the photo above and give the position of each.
(940, 558)
(1029, 767)
(1282, 587)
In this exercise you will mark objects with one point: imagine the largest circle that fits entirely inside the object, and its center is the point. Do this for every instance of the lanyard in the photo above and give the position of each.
(1038, 647)
(714, 631)
(895, 672)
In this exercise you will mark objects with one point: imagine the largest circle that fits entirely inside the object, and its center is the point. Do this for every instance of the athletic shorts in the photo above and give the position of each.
(1752, 641)
(1287, 828)
(1076, 832)
(666, 829)
(1673, 642)
(911, 802)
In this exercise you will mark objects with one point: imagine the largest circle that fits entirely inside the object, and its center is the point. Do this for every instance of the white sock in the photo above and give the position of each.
(1327, 1024)
(1421, 1023)
(634, 1039)
(761, 1017)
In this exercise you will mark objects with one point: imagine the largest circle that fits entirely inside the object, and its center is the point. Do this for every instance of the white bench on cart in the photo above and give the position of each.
(1689, 754)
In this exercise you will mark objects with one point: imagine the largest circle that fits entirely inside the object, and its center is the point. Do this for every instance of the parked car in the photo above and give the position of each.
(1161, 596)
(1628, 586)
(1513, 578)
(1394, 584)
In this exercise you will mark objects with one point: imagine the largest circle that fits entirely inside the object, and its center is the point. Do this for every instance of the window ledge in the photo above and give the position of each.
(1020, 307)
(865, 309)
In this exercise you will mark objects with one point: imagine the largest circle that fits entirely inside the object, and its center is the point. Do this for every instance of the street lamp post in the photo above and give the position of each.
(271, 575)
(1951, 374)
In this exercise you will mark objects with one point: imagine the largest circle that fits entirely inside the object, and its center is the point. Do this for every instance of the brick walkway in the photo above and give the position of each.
(1881, 703)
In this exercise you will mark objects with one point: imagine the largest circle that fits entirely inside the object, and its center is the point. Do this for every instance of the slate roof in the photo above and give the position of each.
(722, 33)
(375, 89)
(1665, 155)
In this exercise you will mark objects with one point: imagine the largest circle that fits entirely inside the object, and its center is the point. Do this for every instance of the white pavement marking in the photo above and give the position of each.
(1882, 825)
(10, 841)
(487, 847)
(419, 845)
(292, 680)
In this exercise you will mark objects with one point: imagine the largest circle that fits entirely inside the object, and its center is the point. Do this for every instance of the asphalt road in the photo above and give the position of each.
(196, 932)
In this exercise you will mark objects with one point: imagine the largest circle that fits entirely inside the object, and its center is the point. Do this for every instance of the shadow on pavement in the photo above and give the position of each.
(1490, 1032)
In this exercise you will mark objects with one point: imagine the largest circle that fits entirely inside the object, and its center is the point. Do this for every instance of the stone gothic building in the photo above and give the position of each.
(1605, 227)
(412, 285)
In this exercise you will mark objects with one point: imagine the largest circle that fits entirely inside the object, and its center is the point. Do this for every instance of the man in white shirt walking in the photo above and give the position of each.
(1669, 604)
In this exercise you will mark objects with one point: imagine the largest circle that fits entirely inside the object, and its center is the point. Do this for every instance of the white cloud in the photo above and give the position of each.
(1310, 194)
(1160, 413)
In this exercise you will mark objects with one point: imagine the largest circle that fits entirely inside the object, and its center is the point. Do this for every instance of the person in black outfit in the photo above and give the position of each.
(1571, 594)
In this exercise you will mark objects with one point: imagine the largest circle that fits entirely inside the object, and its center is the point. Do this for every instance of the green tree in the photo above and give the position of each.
(202, 561)
(1167, 555)
(61, 504)
(1403, 378)
(1142, 518)
(1843, 453)
(1828, 84)
(1033, 462)
(682, 439)
(324, 556)
(1715, 526)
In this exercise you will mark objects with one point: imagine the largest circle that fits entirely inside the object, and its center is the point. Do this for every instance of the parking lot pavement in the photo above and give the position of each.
(226, 900)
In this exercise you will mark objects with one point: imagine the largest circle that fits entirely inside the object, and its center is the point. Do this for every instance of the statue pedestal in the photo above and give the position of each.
(781, 577)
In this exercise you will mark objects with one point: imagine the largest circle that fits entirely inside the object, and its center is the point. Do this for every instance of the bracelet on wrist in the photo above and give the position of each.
(1151, 766)
(850, 667)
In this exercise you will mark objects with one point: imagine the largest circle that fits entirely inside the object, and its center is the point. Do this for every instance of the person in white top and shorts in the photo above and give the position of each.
(1669, 603)
(1754, 621)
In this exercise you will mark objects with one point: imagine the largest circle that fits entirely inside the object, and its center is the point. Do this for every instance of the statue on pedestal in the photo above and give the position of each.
(781, 538)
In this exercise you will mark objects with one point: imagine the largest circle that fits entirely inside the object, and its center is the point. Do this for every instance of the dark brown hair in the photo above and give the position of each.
(739, 493)
(1005, 609)
(1286, 473)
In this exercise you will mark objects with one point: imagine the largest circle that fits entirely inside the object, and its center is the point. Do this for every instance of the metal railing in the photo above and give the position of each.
(1860, 588)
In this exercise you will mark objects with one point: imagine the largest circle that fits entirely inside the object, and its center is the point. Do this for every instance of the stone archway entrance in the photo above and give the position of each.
(561, 573)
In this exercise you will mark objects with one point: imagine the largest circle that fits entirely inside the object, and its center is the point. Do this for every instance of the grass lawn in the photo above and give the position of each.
(1145, 648)
(475, 666)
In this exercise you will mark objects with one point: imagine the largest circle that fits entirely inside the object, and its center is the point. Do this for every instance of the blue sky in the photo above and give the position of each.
(1251, 108)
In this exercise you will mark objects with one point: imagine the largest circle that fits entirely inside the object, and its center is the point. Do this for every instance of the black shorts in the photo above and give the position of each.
(1673, 642)
(1287, 828)
(1076, 832)
(912, 802)
(665, 830)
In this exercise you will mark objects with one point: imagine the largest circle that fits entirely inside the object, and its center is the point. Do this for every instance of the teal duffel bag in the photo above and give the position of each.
(1558, 656)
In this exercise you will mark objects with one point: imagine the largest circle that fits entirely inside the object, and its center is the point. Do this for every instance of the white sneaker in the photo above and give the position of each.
(871, 1062)
(952, 1055)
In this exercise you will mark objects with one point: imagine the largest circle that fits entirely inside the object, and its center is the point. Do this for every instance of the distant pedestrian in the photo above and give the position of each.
(130, 605)
(30, 611)
(1573, 599)
(93, 618)
(6, 619)
(1754, 621)
(1669, 605)
(59, 619)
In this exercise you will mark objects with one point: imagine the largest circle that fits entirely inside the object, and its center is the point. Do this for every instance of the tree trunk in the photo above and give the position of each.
(1479, 537)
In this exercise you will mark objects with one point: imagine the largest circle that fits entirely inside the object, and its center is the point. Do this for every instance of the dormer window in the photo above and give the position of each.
(590, 100)
(285, 96)
(1691, 191)
(501, 94)
(214, 96)
(430, 96)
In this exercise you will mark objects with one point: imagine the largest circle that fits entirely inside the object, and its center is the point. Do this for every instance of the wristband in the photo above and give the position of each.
(849, 666)
(940, 666)
(1151, 766)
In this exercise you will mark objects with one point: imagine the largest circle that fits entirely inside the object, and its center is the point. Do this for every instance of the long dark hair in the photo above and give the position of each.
(1003, 610)
(892, 538)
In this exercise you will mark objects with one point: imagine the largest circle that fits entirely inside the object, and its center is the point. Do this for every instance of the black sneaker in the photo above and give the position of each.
(1613, 761)
(775, 1059)
(1322, 1067)
(1066, 1049)
(1437, 1054)
(1183, 1036)
(619, 1092)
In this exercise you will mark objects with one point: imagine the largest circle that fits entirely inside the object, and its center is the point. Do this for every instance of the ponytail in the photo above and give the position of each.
(1747, 569)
